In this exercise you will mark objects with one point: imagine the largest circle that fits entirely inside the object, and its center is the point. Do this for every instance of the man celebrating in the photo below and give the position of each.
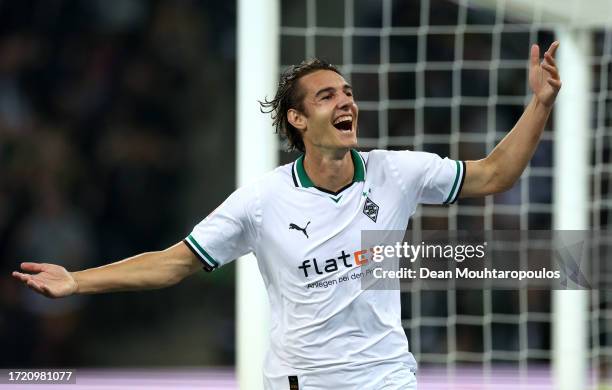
(304, 221)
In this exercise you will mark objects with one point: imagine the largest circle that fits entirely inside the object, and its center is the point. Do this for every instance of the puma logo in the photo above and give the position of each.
(296, 227)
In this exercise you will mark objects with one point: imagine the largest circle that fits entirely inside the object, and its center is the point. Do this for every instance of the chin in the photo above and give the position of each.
(350, 144)
(353, 140)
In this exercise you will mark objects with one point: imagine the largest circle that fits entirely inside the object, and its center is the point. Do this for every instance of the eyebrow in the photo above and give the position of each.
(332, 89)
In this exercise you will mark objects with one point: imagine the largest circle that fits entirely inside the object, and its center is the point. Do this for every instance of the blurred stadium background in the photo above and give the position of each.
(118, 134)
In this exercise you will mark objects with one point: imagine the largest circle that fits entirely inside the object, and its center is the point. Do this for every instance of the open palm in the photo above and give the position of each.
(50, 280)
(544, 76)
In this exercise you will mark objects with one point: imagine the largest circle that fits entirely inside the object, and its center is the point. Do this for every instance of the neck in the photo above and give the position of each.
(330, 171)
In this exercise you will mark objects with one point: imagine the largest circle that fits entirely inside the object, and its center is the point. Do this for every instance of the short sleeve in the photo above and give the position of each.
(228, 232)
(436, 180)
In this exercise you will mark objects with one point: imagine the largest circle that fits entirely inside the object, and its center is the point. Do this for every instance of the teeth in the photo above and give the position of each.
(343, 118)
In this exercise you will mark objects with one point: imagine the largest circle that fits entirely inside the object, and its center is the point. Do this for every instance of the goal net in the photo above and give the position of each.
(450, 77)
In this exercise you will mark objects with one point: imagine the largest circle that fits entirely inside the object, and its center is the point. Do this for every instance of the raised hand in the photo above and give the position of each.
(543, 76)
(50, 280)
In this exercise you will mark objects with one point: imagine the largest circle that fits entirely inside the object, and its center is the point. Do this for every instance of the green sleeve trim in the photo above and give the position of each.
(457, 177)
(203, 254)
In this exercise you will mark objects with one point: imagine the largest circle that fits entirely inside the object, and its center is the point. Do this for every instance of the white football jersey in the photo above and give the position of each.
(327, 331)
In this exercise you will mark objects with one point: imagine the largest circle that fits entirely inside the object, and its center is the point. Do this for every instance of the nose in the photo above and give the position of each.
(345, 102)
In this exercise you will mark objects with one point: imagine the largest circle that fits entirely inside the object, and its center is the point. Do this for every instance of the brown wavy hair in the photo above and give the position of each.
(289, 95)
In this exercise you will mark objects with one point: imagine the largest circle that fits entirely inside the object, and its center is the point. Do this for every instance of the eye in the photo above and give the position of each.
(326, 97)
(349, 93)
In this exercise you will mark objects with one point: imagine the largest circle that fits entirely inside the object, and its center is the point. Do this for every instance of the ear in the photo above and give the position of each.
(297, 119)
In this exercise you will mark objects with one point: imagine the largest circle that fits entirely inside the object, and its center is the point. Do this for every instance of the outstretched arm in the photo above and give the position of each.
(505, 164)
(146, 271)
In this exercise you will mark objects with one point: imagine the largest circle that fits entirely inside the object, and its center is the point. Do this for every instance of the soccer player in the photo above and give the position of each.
(304, 221)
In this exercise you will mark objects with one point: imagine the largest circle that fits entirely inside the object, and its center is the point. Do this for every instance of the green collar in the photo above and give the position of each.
(301, 179)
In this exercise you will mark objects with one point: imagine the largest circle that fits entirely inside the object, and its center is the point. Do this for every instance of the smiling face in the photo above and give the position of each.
(329, 117)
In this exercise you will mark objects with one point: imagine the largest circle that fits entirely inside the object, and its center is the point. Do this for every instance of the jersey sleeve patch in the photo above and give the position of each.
(209, 263)
(457, 183)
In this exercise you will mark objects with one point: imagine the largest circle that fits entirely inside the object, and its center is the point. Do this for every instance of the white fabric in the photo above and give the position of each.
(334, 334)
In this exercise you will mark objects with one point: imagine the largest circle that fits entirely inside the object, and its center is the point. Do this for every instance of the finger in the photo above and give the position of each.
(553, 48)
(35, 286)
(554, 83)
(534, 57)
(552, 70)
(38, 287)
(20, 276)
(32, 267)
(46, 291)
(549, 59)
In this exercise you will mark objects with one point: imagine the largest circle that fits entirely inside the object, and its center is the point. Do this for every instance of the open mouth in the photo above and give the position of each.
(344, 123)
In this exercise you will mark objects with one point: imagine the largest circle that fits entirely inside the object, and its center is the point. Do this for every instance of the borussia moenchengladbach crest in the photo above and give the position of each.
(370, 209)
